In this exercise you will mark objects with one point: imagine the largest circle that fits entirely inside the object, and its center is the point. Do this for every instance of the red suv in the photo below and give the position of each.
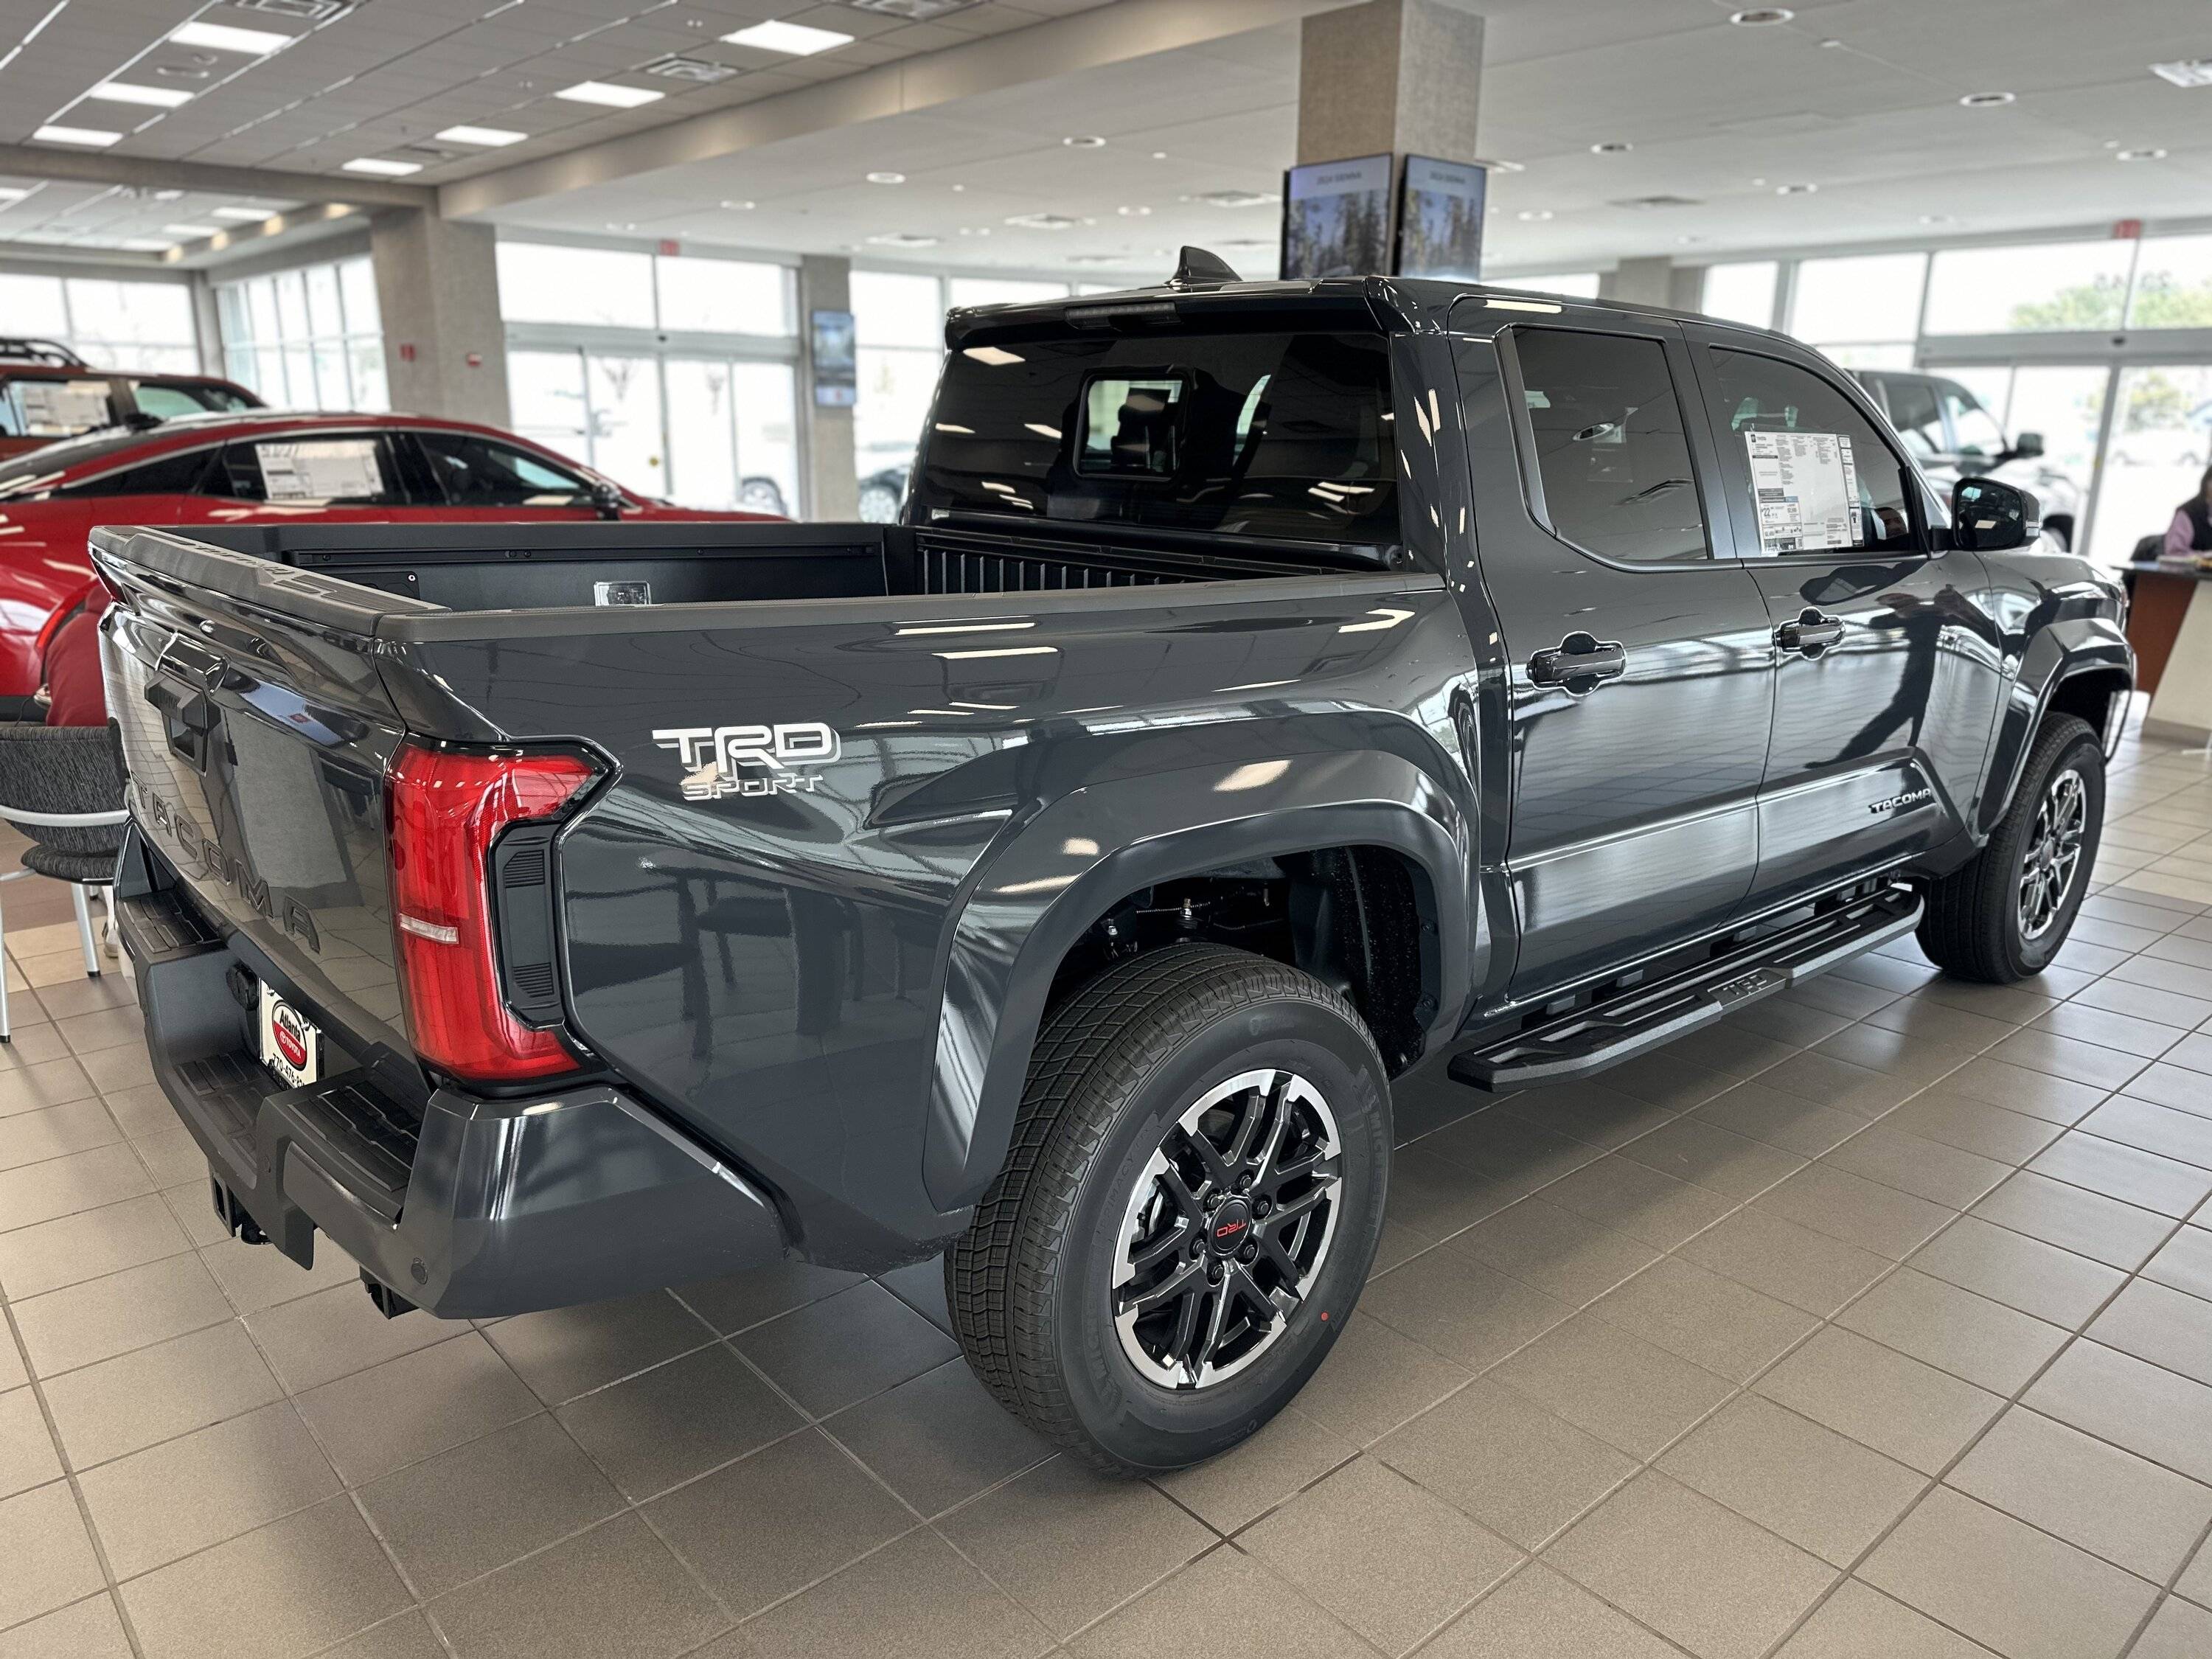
(266, 468)
(47, 392)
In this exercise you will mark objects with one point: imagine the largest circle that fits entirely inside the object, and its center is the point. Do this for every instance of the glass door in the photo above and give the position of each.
(2064, 405)
(2160, 445)
(624, 395)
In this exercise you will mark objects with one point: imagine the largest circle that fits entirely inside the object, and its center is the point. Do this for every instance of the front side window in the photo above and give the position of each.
(1915, 413)
(315, 470)
(1262, 434)
(1610, 447)
(474, 472)
(1813, 474)
(172, 474)
(1976, 429)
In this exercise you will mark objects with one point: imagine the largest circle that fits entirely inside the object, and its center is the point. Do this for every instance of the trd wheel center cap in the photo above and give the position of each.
(1231, 1228)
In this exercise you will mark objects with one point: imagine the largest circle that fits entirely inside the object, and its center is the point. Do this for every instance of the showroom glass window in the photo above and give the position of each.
(1574, 284)
(1863, 312)
(111, 324)
(2055, 286)
(1742, 293)
(309, 338)
(1753, 393)
(1610, 447)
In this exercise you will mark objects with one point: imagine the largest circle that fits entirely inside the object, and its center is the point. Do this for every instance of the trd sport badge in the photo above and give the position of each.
(749, 760)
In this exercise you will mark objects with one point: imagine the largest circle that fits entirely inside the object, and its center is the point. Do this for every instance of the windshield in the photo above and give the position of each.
(1264, 434)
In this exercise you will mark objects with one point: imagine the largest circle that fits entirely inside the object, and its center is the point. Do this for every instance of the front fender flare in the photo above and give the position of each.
(2064, 649)
(1045, 887)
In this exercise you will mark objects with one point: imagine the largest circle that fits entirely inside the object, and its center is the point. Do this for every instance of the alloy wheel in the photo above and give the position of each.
(1227, 1228)
(2054, 854)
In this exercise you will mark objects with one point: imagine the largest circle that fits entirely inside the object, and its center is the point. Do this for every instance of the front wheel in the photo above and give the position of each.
(1189, 1211)
(2004, 916)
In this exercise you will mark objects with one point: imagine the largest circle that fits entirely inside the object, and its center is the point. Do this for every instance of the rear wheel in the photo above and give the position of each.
(1190, 1209)
(2004, 916)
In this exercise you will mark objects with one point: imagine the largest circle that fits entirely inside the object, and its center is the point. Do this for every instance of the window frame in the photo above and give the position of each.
(1743, 525)
(1696, 432)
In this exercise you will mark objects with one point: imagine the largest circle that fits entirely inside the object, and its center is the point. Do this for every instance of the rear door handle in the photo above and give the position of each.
(1580, 663)
(1811, 634)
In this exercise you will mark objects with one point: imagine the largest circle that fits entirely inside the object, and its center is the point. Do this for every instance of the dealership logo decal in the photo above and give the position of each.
(749, 760)
(1898, 803)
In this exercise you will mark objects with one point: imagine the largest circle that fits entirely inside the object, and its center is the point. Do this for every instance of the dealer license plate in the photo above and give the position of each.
(291, 1046)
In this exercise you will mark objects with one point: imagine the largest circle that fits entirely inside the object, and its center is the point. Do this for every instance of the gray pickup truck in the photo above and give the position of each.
(1272, 687)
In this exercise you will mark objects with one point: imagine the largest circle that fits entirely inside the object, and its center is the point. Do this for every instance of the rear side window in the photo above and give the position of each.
(315, 470)
(1611, 451)
(172, 474)
(1264, 434)
(1755, 396)
(58, 408)
(474, 472)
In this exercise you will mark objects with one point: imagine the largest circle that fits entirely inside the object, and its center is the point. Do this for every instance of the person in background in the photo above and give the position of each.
(2191, 529)
(74, 694)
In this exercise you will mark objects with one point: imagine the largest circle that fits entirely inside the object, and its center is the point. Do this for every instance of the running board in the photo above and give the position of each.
(1626, 1022)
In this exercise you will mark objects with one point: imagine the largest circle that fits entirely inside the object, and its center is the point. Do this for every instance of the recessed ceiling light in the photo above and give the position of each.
(622, 224)
(1938, 219)
(2142, 155)
(1159, 156)
(903, 239)
(94, 138)
(1830, 45)
(1234, 198)
(793, 40)
(1043, 221)
(168, 195)
(145, 245)
(887, 178)
(1084, 141)
(1534, 214)
(1611, 147)
(1135, 212)
(191, 230)
(1987, 99)
(12, 192)
(608, 94)
(490, 137)
(223, 37)
(381, 168)
(2185, 71)
(1495, 166)
(741, 207)
(1795, 190)
(1756, 16)
(124, 91)
(242, 216)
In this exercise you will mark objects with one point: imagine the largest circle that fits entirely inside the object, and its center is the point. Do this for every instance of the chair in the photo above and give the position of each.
(63, 786)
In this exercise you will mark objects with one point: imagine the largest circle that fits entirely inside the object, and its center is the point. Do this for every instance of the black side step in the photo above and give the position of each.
(1626, 1022)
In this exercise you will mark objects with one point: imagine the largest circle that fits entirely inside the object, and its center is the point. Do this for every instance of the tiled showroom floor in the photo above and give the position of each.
(1872, 1324)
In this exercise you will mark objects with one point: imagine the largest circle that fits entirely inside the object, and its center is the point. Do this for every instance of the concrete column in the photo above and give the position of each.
(444, 342)
(1646, 281)
(833, 489)
(1401, 75)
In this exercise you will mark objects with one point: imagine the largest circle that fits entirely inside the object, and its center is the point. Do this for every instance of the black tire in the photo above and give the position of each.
(1032, 1284)
(1973, 928)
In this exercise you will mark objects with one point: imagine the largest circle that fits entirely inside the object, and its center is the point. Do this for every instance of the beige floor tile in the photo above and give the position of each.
(1539, 1614)
(1694, 1149)
(946, 1610)
(1926, 1169)
(2020, 1272)
(1793, 1264)
(2164, 1185)
(1233, 1490)
(2170, 1132)
(2184, 1263)
(1374, 1379)
(1618, 1193)
(90, 1629)
(2074, 1218)
(1616, 1386)
(1712, 1322)
(1858, 1211)
(2150, 1411)
(413, 1408)
(1519, 1469)
(154, 1393)
(1464, 1310)
(133, 1309)
(708, 1407)
(1695, 1571)
(27, 1457)
(2111, 1503)
(1857, 1622)
(2164, 1326)
(2016, 1088)
(1821, 1491)
(1790, 1122)
(1954, 1330)
(2179, 1630)
(49, 1556)
(2020, 1591)
(185, 1494)
(1223, 1589)
(1071, 1545)
(1561, 1252)
(335, 1333)
(614, 1589)
(89, 1244)
(1402, 1562)
(1905, 1410)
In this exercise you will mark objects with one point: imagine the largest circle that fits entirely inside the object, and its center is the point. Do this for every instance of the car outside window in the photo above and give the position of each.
(172, 474)
(1974, 428)
(1753, 394)
(476, 471)
(60, 406)
(1610, 447)
(1915, 413)
(315, 469)
(165, 400)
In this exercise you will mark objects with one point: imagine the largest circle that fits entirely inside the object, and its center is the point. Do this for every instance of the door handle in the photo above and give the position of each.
(1811, 635)
(1580, 664)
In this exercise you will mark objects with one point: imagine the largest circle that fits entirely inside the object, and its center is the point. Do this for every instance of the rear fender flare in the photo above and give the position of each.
(1074, 860)
(2059, 652)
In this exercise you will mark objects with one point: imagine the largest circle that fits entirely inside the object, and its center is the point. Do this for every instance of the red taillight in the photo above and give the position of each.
(445, 808)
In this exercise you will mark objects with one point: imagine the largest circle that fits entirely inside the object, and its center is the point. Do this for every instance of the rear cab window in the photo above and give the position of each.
(1261, 433)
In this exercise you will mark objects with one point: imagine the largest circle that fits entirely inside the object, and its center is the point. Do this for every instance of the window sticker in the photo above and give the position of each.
(1806, 489)
(62, 408)
(323, 469)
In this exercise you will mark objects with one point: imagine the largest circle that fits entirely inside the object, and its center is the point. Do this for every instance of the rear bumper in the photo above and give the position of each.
(481, 1208)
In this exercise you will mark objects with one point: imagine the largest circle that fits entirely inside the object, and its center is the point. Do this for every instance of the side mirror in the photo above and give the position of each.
(607, 501)
(2027, 446)
(1989, 517)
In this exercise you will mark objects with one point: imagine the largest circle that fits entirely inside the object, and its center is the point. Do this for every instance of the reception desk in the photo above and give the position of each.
(2170, 625)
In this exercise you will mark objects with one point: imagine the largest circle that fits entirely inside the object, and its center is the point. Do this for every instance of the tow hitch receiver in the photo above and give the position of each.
(233, 1214)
